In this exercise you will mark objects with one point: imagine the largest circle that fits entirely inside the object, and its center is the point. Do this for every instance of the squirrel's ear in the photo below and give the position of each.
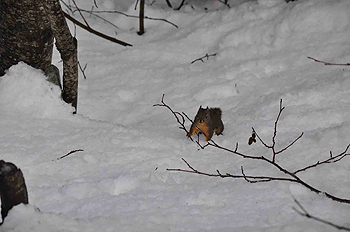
(200, 107)
(207, 108)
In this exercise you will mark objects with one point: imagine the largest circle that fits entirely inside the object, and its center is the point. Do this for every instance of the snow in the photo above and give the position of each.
(120, 182)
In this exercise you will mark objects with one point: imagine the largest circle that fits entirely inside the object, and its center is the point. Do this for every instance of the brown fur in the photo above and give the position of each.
(207, 121)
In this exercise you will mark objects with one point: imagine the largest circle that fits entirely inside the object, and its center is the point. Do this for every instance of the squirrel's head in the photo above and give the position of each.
(203, 115)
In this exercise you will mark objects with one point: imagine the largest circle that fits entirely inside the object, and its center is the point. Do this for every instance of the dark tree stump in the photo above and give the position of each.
(13, 190)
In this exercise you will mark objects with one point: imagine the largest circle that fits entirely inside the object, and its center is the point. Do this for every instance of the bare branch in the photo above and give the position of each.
(292, 177)
(97, 16)
(176, 115)
(82, 69)
(304, 213)
(95, 32)
(260, 139)
(332, 159)
(275, 132)
(181, 4)
(169, 4)
(130, 16)
(81, 14)
(228, 175)
(285, 148)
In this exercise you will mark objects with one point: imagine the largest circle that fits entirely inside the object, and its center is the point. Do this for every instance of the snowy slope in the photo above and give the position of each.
(120, 183)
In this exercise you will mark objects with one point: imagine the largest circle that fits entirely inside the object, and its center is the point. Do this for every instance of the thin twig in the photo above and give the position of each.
(228, 175)
(97, 16)
(81, 14)
(304, 213)
(95, 32)
(71, 152)
(206, 56)
(90, 12)
(292, 175)
(82, 69)
(176, 115)
(169, 4)
(327, 63)
(225, 3)
(275, 132)
(332, 159)
(260, 139)
(181, 4)
(285, 148)
(131, 16)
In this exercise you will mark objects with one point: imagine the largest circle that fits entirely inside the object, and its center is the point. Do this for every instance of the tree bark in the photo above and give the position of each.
(27, 31)
(68, 48)
(25, 35)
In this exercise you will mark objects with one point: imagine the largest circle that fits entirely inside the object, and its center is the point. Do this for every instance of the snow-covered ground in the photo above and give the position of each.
(120, 183)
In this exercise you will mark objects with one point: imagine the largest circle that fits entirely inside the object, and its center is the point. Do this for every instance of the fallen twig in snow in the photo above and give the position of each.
(71, 152)
(327, 63)
(206, 56)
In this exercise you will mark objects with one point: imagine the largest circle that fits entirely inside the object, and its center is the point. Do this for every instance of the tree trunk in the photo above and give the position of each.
(68, 48)
(25, 35)
(27, 30)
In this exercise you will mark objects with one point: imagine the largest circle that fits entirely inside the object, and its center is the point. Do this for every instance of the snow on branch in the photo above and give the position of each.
(291, 175)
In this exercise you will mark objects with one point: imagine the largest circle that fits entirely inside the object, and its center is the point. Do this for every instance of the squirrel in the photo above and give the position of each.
(207, 121)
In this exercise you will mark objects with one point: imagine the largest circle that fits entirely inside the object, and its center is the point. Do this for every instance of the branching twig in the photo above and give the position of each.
(70, 8)
(176, 115)
(332, 159)
(201, 59)
(82, 69)
(95, 32)
(228, 175)
(132, 16)
(97, 16)
(304, 213)
(272, 147)
(71, 152)
(327, 63)
(181, 4)
(288, 146)
(292, 177)
(81, 14)
(225, 3)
